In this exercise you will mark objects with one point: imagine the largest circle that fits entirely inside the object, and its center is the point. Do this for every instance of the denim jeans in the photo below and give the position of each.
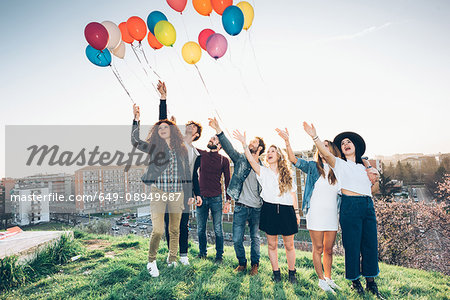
(241, 215)
(359, 236)
(215, 205)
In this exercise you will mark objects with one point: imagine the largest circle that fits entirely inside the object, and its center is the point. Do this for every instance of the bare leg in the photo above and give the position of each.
(328, 241)
(290, 251)
(317, 241)
(272, 245)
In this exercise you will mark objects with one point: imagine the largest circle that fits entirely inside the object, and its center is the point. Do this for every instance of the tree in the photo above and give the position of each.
(386, 185)
(414, 234)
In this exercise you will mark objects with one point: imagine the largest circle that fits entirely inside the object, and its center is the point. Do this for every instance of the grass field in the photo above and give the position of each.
(114, 268)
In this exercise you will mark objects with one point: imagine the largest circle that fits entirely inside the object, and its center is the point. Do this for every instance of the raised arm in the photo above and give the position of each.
(241, 138)
(162, 102)
(329, 157)
(285, 136)
(135, 138)
(226, 145)
(226, 173)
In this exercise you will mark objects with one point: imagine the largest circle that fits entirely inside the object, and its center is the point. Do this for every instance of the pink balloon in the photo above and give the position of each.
(216, 45)
(177, 5)
(96, 35)
(203, 37)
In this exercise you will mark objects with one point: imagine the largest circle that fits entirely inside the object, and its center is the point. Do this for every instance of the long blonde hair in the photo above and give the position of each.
(285, 177)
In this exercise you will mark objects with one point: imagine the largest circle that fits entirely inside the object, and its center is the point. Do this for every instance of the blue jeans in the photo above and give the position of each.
(359, 236)
(215, 205)
(240, 217)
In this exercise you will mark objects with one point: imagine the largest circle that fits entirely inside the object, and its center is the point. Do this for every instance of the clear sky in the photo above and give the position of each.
(380, 68)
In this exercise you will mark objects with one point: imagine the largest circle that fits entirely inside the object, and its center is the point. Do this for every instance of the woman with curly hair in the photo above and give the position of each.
(278, 213)
(168, 175)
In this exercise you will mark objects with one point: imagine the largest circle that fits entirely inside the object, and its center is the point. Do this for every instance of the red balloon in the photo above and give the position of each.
(96, 35)
(177, 5)
(137, 28)
(220, 5)
(203, 37)
(126, 37)
(153, 41)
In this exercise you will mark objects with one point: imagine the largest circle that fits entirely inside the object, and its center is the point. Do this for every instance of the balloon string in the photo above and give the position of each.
(185, 29)
(116, 73)
(210, 99)
(256, 60)
(146, 60)
(135, 53)
(240, 74)
(138, 78)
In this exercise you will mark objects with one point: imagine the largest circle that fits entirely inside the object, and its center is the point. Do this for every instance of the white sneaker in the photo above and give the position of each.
(332, 284)
(324, 286)
(184, 260)
(153, 269)
(172, 264)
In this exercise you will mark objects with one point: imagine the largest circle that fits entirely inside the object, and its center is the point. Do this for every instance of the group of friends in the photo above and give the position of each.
(338, 190)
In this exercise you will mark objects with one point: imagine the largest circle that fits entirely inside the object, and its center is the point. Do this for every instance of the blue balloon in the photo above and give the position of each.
(233, 20)
(153, 18)
(97, 57)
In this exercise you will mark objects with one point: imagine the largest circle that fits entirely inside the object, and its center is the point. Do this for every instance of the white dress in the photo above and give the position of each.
(323, 211)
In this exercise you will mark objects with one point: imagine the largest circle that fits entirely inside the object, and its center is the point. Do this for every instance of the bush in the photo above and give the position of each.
(45, 262)
(413, 234)
(97, 227)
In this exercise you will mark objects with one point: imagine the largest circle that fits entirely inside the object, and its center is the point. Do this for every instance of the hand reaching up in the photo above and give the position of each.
(213, 123)
(284, 134)
(310, 129)
(240, 137)
(162, 89)
(136, 112)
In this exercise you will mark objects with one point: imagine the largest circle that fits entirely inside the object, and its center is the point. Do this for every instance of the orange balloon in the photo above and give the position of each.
(153, 41)
(203, 7)
(126, 37)
(137, 28)
(220, 5)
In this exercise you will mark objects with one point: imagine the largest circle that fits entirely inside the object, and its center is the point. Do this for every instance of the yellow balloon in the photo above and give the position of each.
(191, 52)
(165, 33)
(248, 12)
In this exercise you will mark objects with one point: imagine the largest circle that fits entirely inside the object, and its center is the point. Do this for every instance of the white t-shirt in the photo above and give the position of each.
(352, 177)
(270, 189)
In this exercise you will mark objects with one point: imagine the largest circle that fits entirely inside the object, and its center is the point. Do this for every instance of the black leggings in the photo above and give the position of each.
(184, 231)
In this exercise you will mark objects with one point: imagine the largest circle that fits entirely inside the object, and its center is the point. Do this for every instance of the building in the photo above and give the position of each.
(61, 186)
(109, 188)
(9, 184)
(2, 199)
(30, 203)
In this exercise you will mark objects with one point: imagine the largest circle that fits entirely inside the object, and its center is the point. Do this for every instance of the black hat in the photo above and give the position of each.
(354, 137)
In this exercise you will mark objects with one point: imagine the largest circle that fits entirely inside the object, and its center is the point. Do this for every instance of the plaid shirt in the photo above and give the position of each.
(168, 180)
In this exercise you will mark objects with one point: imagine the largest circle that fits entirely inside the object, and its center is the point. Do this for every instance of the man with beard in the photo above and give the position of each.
(245, 190)
(212, 165)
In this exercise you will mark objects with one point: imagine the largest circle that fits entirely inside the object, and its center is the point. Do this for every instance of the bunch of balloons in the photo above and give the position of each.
(106, 37)
(103, 38)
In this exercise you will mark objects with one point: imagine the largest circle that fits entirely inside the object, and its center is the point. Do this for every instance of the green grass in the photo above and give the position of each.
(117, 270)
(51, 226)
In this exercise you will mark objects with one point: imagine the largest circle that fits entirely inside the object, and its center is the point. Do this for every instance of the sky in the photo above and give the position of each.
(379, 68)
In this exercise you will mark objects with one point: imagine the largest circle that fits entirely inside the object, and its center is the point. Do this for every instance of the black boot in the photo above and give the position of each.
(372, 287)
(292, 278)
(277, 276)
(356, 285)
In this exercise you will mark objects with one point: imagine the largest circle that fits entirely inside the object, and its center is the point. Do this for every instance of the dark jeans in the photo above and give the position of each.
(359, 236)
(215, 205)
(240, 217)
(184, 231)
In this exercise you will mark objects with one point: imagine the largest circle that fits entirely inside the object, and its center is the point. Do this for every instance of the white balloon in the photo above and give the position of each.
(119, 51)
(115, 37)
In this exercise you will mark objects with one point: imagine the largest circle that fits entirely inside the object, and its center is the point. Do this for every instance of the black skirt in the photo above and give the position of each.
(278, 219)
